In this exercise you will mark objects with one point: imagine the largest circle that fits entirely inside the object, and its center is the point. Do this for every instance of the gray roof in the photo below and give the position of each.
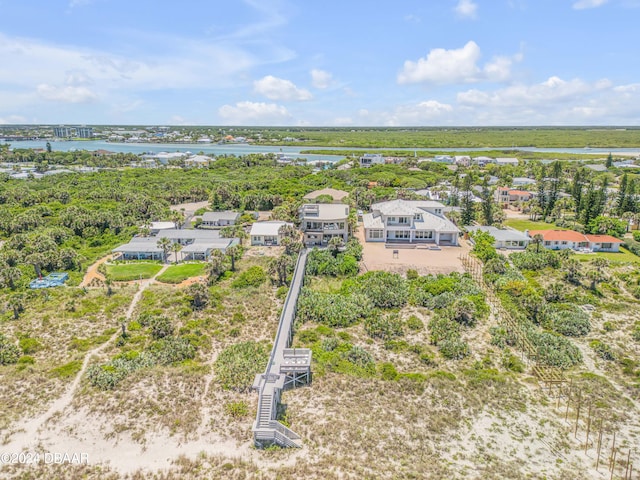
(324, 211)
(270, 228)
(501, 235)
(370, 221)
(404, 207)
(215, 216)
(140, 244)
(203, 245)
(188, 234)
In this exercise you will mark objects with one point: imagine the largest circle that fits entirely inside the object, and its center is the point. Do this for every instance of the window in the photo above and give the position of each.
(607, 246)
(564, 242)
(375, 233)
(403, 220)
(421, 235)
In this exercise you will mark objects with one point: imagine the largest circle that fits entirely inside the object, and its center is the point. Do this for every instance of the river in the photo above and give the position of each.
(244, 149)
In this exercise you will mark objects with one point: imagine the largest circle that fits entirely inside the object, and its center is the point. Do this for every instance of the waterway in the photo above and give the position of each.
(291, 151)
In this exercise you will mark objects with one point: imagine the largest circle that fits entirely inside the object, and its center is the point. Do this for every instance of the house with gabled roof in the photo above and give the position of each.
(570, 239)
(409, 221)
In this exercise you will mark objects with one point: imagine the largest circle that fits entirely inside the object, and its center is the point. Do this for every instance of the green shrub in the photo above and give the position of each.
(384, 327)
(26, 360)
(636, 235)
(388, 371)
(161, 327)
(442, 328)
(281, 293)
(555, 350)
(29, 345)
(566, 319)
(253, 277)
(9, 353)
(454, 349)
(512, 363)
(384, 289)
(329, 344)
(360, 357)
(332, 309)
(635, 333)
(236, 409)
(412, 274)
(238, 364)
(603, 350)
(608, 326)
(414, 323)
(308, 336)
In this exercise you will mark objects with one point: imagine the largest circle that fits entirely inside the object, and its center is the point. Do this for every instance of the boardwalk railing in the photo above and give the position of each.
(286, 367)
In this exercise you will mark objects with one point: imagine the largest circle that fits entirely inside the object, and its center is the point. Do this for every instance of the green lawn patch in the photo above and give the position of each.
(523, 224)
(132, 271)
(178, 273)
(623, 256)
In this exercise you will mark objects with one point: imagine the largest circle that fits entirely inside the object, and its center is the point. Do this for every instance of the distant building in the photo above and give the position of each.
(62, 131)
(507, 161)
(219, 219)
(84, 132)
(506, 197)
(462, 160)
(520, 181)
(369, 159)
(337, 195)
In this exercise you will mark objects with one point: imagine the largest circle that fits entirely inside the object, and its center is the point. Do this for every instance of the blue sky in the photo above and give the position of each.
(320, 63)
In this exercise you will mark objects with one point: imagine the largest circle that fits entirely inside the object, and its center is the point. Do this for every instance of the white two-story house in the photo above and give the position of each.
(320, 222)
(409, 221)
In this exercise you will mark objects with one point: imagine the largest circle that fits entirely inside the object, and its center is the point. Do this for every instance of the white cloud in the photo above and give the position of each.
(411, 18)
(12, 119)
(321, 79)
(552, 102)
(584, 4)
(342, 121)
(457, 66)
(191, 64)
(275, 88)
(466, 9)
(443, 66)
(254, 113)
(66, 94)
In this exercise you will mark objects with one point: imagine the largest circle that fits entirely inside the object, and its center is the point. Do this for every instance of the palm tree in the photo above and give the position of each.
(175, 248)
(598, 274)
(177, 218)
(280, 266)
(17, 305)
(572, 269)
(199, 296)
(9, 276)
(165, 244)
(235, 253)
(627, 216)
(335, 244)
(215, 265)
(538, 239)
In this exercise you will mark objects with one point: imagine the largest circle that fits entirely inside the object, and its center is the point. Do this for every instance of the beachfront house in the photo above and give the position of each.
(267, 233)
(569, 239)
(505, 238)
(409, 221)
(507, 197)
(219, 219)
(320, 222)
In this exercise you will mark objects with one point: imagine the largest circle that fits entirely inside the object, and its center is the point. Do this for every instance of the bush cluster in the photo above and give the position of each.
(168, 351)
(9, 353)
(238, 364)
(253, 277)
(384, 327)
(322, 262)
(334, 310)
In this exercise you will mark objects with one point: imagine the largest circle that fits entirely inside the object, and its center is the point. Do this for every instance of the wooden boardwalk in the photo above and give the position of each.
(287, 368)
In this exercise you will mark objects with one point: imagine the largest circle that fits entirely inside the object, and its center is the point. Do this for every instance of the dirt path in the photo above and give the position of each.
(92, 272)
(28, 434)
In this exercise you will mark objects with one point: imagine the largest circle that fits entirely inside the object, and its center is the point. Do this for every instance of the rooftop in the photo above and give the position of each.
(335, 194)
(325, 211)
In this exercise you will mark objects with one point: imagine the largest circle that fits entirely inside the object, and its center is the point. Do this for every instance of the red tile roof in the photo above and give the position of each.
(519, 192)
(559, 235)
(603, 239)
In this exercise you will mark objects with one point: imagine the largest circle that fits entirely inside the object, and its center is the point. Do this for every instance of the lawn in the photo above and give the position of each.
(178, 273)
(522, 225)
(624, 256)
(132, 271)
